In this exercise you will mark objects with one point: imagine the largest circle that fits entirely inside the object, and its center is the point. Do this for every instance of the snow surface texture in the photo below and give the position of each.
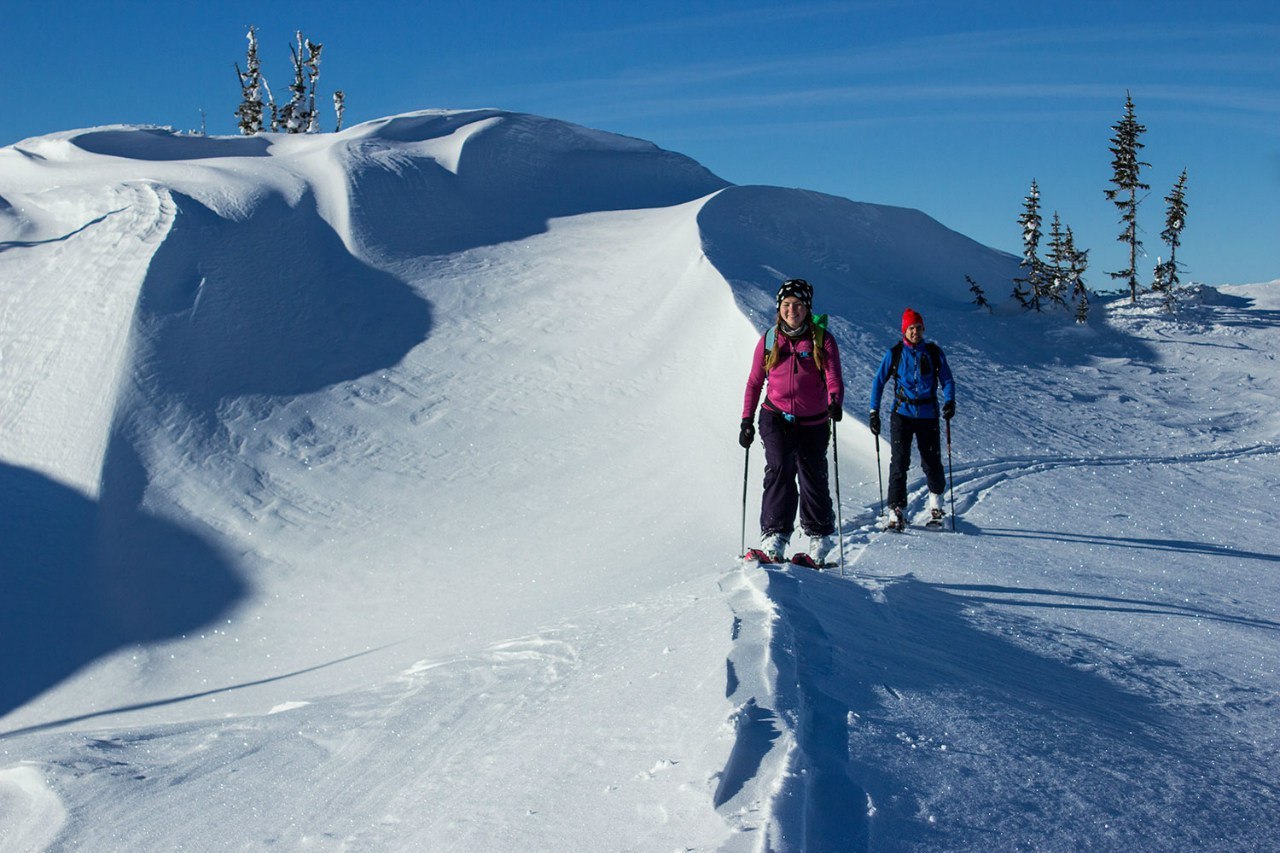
(379, 491)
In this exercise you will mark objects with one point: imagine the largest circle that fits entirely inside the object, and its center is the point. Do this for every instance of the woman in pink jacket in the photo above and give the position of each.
(797, 367)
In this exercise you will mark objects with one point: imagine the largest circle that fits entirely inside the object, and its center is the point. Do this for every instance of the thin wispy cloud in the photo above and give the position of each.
(741, 18)
(1040, 98)
(974, 62)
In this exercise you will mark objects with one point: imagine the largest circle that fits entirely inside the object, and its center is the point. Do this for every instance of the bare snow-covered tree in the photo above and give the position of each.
(249, 113)
(299, 114)
(312, 64)
(339, 107)
(271, 104)
(293, 115)
(1125, 176)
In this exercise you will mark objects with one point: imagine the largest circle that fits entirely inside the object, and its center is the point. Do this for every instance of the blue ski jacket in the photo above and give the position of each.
(919, 385)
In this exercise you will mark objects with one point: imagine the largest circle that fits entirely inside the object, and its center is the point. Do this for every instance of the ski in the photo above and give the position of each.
(755, 555)
(803, 559)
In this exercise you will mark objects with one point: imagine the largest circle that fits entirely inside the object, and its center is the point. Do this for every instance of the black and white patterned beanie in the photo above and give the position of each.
(799, 288)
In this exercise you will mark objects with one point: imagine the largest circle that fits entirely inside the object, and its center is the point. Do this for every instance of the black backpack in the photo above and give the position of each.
(934, 353)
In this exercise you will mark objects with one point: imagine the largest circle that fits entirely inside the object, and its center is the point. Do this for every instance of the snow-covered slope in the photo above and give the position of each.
(379, 490)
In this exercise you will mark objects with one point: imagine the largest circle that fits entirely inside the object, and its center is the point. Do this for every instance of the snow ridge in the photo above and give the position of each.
(352, 486)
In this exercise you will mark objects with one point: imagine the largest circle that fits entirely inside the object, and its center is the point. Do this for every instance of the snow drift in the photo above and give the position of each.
(378, 490)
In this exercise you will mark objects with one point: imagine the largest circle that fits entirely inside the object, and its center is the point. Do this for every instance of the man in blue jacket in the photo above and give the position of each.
(921, 379)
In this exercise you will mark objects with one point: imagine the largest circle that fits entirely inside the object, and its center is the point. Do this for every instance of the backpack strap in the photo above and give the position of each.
(935, 358)
(818, 326)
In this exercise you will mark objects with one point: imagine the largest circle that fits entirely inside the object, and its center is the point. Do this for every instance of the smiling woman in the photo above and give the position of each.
(800, 363)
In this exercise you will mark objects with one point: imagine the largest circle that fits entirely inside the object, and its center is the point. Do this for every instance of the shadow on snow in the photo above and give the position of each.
(856, 656)
(83, 579)
(272, 305)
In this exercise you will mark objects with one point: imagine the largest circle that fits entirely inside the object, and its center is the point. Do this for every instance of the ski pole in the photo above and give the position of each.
(746, 469)
(950, 479)
(835, 458)
(879, 475)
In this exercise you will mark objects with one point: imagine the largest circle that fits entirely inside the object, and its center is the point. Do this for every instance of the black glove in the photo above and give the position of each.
(949, 409)
(874, 423)
(835, 411)
(747, 434)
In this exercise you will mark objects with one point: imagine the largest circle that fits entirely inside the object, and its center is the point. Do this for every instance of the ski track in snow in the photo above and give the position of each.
(972, 482)
(797, 742)
(79, 304)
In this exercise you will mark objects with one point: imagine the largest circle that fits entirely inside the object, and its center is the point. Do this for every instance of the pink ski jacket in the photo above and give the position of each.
(795, 385)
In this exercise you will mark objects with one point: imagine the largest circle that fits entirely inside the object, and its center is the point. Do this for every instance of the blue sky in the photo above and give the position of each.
(949, 107)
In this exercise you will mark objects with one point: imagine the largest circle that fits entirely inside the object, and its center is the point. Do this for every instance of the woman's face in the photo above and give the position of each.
(793, 311)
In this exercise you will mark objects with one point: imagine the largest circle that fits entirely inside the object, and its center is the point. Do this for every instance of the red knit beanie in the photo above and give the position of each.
(909, 318)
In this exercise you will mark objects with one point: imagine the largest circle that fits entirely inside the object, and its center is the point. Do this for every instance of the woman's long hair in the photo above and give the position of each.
(774, 355)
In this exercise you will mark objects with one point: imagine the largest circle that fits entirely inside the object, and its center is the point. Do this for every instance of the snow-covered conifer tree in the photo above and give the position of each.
(1077, 265)
(249, 112)
(1034, 278)
(1082, 308)
(979, 295)
(1126, 171)
(1057, 279)
(1166, 273)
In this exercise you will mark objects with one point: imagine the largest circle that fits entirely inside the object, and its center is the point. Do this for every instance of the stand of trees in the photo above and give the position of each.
(1056, 279)
(299, 114)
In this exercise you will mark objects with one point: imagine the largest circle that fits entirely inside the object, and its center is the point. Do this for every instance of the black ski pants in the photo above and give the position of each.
(925, 432)
(795, 476)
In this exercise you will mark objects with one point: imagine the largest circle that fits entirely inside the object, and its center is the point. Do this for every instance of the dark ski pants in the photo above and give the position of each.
(795, 454)
(925, 432)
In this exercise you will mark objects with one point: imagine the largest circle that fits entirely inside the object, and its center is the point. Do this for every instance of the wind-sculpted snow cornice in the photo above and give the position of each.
(438, 183)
